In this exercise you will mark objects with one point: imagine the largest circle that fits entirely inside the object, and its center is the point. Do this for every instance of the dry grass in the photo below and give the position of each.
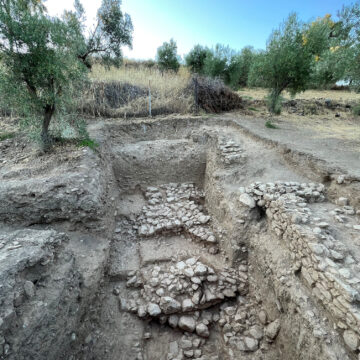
(162, 83)
(167, 90)
(336, 95)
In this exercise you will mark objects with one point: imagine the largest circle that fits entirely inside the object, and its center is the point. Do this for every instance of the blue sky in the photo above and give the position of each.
(207, 22)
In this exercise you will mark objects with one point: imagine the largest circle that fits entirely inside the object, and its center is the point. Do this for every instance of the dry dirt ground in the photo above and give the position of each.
(203, 237)
(328, 114)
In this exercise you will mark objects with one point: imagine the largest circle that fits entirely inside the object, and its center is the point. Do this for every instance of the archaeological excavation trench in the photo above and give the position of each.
(178, 239)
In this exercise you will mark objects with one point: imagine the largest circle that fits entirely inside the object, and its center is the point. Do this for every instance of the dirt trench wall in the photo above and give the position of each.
(303, 279)
(229, 166)
(54, 242)
(158, 162)
(280, 266)
(74, 195)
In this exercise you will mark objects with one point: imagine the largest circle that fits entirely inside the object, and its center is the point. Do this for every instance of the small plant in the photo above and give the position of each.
(88, 142)
(356, 110)
(253, 109)
(6, 136)
(270, 125)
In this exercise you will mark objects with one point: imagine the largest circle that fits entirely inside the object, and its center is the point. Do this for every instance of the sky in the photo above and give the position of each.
(236, 23)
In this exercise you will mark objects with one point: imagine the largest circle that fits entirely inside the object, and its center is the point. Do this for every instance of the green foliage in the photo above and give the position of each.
(356, 110)
(329, 69)
(195, 59)
(270, 125)
(247, 56)
(286, 64)
(39, 72)
(5, 136)
(222, 62)
(88, 142)
(349, 39)
(167, 57)
(218, 61)
(322, 37)
(44, 60)
(274, 102)
(113, 30)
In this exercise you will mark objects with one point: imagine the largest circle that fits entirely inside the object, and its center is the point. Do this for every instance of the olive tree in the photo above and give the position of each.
(195, 59)
(44, 60)
(349, 43)
(113, 29)
(286, 63)
(218, 61)
(322, 37)
(239, 67)
(167, 57)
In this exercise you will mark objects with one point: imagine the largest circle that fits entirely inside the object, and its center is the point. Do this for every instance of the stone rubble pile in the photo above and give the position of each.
(244, 327)
(188, 347)
(175, 208)
(325, 263)
(341, 213)
(261, 194)
(230, 152)
(177, 292)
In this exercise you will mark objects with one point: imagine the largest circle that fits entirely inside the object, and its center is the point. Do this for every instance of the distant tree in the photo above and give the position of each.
(349, 43)
(44, 60)
(239, 67)
(113, 29)
(195, 59)
(217, 62)
(286, 63)
(167, 57)
(227, 64)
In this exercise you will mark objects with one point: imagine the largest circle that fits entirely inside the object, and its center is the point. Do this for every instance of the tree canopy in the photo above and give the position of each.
(167, 57)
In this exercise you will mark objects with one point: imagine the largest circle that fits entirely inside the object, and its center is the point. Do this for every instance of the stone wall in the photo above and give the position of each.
(325, 264)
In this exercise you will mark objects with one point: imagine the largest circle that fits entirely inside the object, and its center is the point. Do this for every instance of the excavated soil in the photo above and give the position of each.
(186, 239)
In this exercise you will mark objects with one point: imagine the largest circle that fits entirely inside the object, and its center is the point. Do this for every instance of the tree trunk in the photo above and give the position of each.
(45, 137)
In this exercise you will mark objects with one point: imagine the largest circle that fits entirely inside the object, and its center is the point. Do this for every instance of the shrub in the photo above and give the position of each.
(270, 125)
(88, 142)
